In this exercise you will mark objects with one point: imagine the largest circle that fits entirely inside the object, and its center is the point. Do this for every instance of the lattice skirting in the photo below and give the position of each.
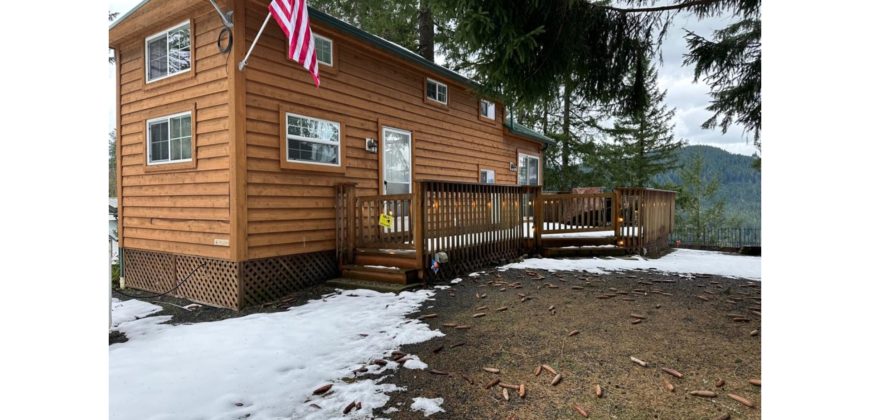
(467, 260)
(223, 283)
(269, 279)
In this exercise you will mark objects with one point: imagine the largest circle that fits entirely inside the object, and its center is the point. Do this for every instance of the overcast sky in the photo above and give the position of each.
(689, 99)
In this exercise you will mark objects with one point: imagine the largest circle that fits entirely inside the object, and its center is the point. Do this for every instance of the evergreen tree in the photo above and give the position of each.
(641, 144)
(697, 206)
(731, 65)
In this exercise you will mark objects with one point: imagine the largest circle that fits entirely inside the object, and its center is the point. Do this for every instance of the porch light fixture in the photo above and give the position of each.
(371, 145)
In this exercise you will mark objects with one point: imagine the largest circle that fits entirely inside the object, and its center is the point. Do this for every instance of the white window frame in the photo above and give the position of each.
(490, 107)
(288, 136)
(437, 85)
(168, 119)
(522, 155)
(148, 53)
(331, 49)
(488, 171)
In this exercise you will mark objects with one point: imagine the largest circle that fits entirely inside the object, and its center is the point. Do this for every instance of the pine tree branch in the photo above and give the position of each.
(678, 6)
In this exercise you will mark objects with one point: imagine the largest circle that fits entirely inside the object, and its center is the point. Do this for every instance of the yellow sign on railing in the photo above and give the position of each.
(386, 221)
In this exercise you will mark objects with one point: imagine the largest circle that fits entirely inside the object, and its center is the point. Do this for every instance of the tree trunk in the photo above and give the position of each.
(566, 130)
(426, 27)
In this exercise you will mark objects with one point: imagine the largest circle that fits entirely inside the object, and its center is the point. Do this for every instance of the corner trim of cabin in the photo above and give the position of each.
(310, 167)
(149, 87)
(163, 111)
(386, 122)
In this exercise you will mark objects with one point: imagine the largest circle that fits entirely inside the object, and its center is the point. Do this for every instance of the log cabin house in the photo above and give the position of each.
(236, 187)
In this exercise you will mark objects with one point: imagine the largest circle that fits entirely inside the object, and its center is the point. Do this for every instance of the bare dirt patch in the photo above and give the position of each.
(666, 321)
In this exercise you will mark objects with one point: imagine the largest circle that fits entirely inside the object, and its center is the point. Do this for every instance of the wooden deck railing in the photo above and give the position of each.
(645, 218)
(473, 222)
(484, 222)
(569, 213)
(370, 234)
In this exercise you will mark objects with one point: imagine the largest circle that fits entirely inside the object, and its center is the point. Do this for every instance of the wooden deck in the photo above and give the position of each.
(480, 224)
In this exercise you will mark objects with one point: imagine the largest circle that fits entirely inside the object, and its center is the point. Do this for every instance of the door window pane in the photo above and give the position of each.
(397, 162)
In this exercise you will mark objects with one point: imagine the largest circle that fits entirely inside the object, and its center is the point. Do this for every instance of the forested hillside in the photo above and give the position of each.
(739, 183)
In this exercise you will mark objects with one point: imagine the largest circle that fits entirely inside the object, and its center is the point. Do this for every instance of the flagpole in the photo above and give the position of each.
(244, 62)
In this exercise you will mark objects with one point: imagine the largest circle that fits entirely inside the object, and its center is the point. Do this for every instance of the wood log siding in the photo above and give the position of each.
(293, 211)
(178, 211)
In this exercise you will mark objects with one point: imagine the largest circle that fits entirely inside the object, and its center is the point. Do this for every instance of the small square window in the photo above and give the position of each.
(487, 109)
(169, 139)
(436, 91)
(487, 176)
(323, 48)
(168, 53)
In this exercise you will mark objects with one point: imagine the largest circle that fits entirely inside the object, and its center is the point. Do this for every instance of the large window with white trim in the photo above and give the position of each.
(168, 53)
(323, 48)
(312, 140)
(528, 169)
(436, 91)
(169, 139)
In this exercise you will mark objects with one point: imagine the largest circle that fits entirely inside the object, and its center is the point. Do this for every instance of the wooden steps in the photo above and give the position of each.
(560, 242)
(386, 257)
(343, 283)
(384, 274)
(584, 252)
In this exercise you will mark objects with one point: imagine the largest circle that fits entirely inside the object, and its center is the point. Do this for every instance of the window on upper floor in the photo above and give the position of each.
(487, 109)
(169, 139)
(168, 53)
(436, 91)
(323, 48)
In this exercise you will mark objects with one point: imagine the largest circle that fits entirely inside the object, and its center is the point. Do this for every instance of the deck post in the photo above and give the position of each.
(614, 210)
(350, 216)
(417, 211)
(538, 215)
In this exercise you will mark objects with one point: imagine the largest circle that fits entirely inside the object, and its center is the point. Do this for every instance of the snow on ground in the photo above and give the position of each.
(428, 406)
(684, 261)
(263, 366)
(131, 310)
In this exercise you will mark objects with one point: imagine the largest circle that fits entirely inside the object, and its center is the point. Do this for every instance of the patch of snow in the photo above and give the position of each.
(414, 362)
(264, 366)
(442, 287)
(428, 406)
(131, 310)
(455, 281)
(391, 410)
(382, 267)
(684, 261)
(475, 274)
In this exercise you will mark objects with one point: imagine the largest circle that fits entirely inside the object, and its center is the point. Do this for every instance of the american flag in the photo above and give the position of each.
(292, 16)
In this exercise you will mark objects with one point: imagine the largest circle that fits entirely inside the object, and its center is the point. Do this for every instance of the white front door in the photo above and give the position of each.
(397, 161)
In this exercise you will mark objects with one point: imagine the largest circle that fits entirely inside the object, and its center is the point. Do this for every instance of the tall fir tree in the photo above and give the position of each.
(697, 205)
(642, 143)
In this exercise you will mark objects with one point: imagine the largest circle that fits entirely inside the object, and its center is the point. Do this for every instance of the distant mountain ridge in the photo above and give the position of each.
(739, 183)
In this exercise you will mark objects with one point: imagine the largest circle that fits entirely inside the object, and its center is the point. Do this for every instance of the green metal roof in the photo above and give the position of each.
(526, 132)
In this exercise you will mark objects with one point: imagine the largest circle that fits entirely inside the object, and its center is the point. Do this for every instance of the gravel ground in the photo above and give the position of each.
(685, 324)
